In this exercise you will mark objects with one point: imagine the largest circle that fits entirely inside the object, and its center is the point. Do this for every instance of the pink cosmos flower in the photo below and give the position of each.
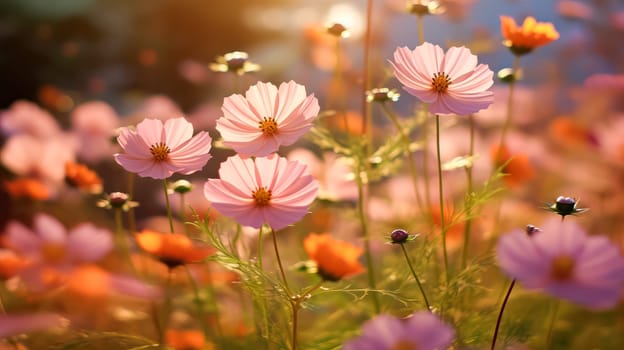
(43, 159)
(266, 118)
(94, 123)
(565, 262)
(52, 251)
(28, 118)
(269, 190)
(157, 107)
(17, 324)
(422, 330)
(157, 150)
(451, 83)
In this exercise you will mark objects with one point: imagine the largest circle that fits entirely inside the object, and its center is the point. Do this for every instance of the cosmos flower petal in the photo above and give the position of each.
(21, 238)
(177, 132)
(49, 228)
(290, 98)
(263, 99)
(87, 243)
(458, 61)
(151, 131)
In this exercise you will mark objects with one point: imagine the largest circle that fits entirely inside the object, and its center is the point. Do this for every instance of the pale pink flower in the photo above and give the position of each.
(157, 107)
(157, 150)
(28, 118)
(565, 262)
(336, 179)
(574, 9)
(94, 123)
(422, 330)
(23, 323)
(44, 159)
(266, 118)
(269, 190)
(450, 83)
(52, 251)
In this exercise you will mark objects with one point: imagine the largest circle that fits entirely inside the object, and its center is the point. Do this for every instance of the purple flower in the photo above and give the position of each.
(565, 262)
(423, 331)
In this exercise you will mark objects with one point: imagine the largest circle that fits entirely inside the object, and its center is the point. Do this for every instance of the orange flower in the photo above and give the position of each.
(187, 340)
(453, 223)
(570, 133)
(10, 264)
(532, 34)
(335, 259)
(83, 178)
(171, 249)
(518, 170)
(28, 188)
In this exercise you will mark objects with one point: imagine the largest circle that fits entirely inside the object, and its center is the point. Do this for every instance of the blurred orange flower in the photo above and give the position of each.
(187, 340)
(171, 249)
(567, 132)
(335, 259)
(532, 34)
(27, 188)
(10, 264)
(518, 169)
(80, 176)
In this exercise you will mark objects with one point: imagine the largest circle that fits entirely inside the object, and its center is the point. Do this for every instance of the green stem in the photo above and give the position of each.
(422, 291)
(295, 316)
(122, 240)
(199, 303)
(169, 215)
(509, 111)
(469, 189)
(406, 145)
(263, 302)
(365, 234)
(279, 261)
(552, 323)
(183, 213)
(131, 217)
(500, 314)
(441, 194)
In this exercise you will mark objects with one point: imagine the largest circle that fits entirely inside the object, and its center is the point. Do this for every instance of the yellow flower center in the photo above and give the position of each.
(562, 268)
(268, 125)
(53, 252)
(160, 152)
(262, 196)
(404, 345)
(440, 82)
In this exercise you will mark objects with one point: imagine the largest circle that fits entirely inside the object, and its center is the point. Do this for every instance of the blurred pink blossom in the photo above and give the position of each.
(574, 9)
(157, 150)
(52, 251)
(266, 118)
(269, 190)
(612, 82)
(336, 180)
(450, 83)
(28, 118)
(43, 159)
(565, 262)
(23, 323)
(422, 330)
(157, 107)
(193, 71)
(94, 123)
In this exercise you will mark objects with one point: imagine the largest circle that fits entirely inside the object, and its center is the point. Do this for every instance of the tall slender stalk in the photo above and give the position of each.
(441, 194)
(279, 261)
(500, 314)
(122, 240)
(199, 303)
(166, 189)
(183, 213)
(509, 110)
(469, 189)
(367, 129)
(422, 290)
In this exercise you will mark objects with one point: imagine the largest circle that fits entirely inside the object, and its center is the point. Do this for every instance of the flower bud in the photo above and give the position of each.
(399, 236)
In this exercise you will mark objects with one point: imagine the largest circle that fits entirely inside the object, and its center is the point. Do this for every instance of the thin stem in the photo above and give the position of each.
(410, 161)
(500, 314)
(295, 316)
(131, 218)
(339, 86)
(409, 263)
(183, 213)
(420, 29)
(263, 302)
(199, 303)
(165, 187)
(365, 234)
(279, 261)
(441, 194)
(509, 111)
(122, 240)
(552, 323)
(366, 127)
(260, 248)
(469, 189)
